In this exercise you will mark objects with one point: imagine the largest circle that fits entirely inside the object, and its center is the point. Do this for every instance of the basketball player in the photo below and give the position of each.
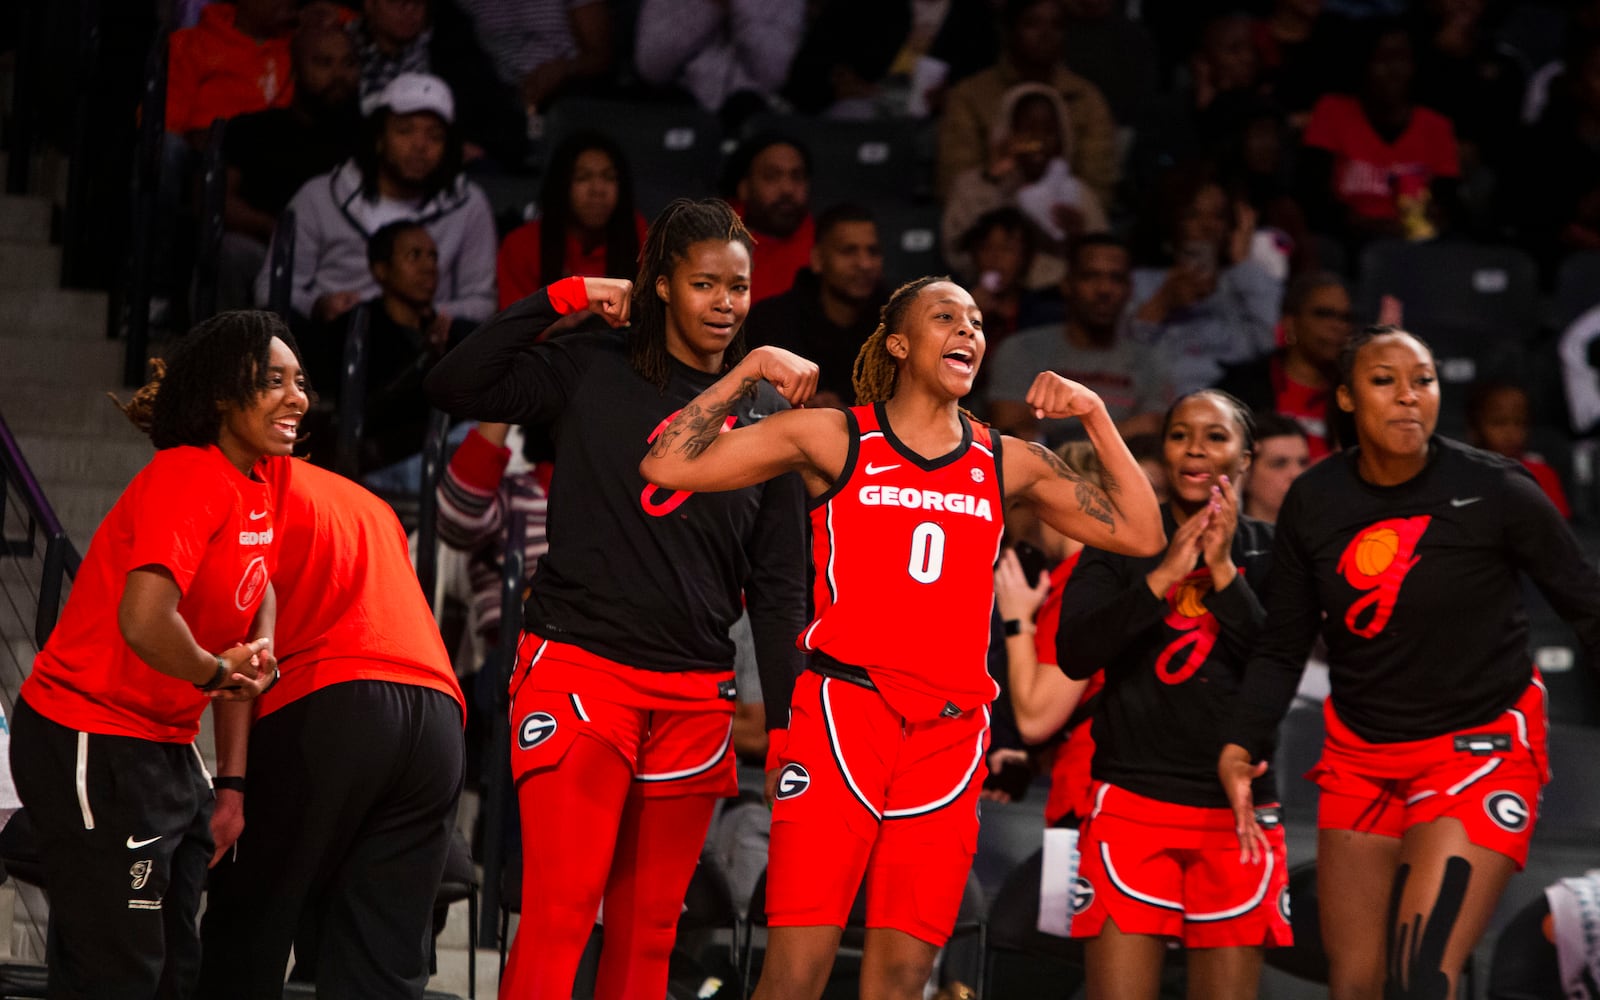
(1159, 861)
(1405, 552)
(171, 609)
(623, 693)
(884, 758)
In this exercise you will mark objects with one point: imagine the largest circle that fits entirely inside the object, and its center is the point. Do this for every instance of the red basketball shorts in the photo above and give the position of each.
(864, 792)
(1488, 777)
(675, 730)
(1152, 867)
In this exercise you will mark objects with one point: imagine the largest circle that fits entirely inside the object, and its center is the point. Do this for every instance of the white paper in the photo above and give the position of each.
(1058, 881)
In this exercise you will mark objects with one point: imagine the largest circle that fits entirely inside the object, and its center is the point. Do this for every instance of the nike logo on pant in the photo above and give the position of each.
(134, 845)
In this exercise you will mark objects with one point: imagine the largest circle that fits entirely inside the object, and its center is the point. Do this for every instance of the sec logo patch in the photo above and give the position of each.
(1508, 810)
(793, 780)
(535, 729)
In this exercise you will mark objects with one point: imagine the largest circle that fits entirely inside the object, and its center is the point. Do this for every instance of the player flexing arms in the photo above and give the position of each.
(622, 698)
(1159, 859)
(884, 758)
(173, 596)
(1405, 552)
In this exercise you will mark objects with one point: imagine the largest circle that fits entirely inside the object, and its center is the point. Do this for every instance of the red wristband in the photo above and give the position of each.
(568, 295)
(777, 742)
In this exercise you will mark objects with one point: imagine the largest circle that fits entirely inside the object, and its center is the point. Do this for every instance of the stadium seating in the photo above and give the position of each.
(874, 163)
(909, 235)
(673, 150)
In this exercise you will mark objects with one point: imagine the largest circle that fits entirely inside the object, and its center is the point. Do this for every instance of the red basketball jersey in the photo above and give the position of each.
(905, 550)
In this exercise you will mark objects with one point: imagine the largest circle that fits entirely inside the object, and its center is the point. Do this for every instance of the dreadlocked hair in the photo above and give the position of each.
(875, 369)
(680, 225)
(221, 362)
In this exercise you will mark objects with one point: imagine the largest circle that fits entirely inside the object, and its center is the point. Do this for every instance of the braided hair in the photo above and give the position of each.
(875, 369)
(680, 225)
(222, 362)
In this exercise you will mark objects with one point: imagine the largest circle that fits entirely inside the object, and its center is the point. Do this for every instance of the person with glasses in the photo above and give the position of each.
(1297, 379)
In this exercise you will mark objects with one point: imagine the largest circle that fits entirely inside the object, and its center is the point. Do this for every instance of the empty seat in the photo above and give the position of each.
(673, 150)
(1577, 287)
(909, 235)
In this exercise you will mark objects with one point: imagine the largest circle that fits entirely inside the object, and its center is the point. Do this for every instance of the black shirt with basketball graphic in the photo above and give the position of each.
(1172, 664)
(644, 576)
(1415, 589)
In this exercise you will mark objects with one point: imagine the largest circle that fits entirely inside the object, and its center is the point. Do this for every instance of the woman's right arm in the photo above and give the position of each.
(152, 627)
(497, 375)
(1042, 697)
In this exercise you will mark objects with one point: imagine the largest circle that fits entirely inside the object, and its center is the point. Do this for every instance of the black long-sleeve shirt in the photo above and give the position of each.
(635, 573)
(1172, 664)
(1415, 589)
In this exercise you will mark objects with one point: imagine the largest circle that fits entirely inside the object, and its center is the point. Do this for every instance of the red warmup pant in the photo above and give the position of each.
(576, 852)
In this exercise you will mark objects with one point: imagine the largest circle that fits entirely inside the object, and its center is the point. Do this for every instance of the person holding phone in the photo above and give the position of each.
(1208, 303)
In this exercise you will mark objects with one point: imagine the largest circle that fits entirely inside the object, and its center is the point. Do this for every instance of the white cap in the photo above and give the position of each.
(412, 92)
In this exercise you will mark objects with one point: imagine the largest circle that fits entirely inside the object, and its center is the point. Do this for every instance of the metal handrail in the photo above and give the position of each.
(61, 557)
(214, 194)
(433, 462)
(497, 783)
(146, 184)
(353, 397)
(281, 264)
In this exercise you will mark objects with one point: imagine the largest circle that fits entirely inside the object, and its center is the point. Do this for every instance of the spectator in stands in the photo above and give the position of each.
(1498, 419)
(1210, 303)
(1582, 23)
(833, 306)
(407, 166)
(234, 61)
(270, 154)
(1282, 453)
(1297, 54)
(1111, 51)
(768, 180)
(1090, 348)
(1554, 188)
(435, 36)
(406, 334)
(847, 51)
(587, 225)
(1375, 163)
(1297, 380)
(1031, 149)
(1255, 160)
(544, 48)
(730, 56)
(1463, 74)
(994, 258)
(1032, 31)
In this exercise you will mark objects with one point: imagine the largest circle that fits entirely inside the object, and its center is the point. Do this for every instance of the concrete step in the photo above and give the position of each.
(109, 460)
(24, 220)
(30, 407)
(81, 507)
(53, 313)
(56, 361)
(24, 265)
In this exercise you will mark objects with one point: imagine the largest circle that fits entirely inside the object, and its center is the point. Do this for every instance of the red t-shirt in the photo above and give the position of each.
(1550, 482)
(1069, 769)
(193, 513)
(349, 605)
(517, 267)
(1369, 174)
(777, 259)
(904, 550)
(214, 70)
(1308, 407)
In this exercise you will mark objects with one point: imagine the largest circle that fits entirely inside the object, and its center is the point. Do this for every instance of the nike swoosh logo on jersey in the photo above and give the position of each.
(256, 517)
(873, 470)
(134, 845)
(1464, 501)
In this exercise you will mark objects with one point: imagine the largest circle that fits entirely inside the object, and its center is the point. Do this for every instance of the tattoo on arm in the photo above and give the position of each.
(698, 426)
(1092, 499)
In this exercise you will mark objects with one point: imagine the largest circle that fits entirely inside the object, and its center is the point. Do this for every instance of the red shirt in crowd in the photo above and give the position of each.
(777, 259)
(191, 512)
(1550, 482)
(214, 70)
(1369, 173)
(349, 605)
(1305, 405)
(518, 266)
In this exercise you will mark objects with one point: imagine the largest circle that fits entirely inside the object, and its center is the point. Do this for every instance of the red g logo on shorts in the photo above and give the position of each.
(1508, 810)
(1377, 561)
(251, 586)
(535, 729)
(793, 780)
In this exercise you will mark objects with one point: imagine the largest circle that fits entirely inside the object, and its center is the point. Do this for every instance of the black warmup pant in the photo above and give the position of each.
(124, 835)
(349, 802)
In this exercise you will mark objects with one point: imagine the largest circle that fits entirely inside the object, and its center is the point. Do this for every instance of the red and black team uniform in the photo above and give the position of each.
(625, 641)
(354, 766)
(102, 745)
(1158, 851)
(884, 756)
(1435, 708)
